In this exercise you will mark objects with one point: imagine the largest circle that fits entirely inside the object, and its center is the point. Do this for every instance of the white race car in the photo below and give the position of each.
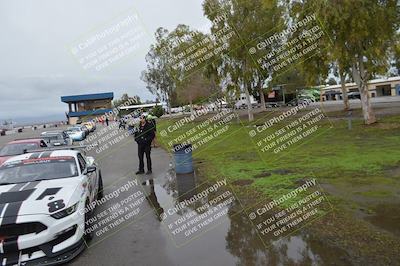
(43, 196)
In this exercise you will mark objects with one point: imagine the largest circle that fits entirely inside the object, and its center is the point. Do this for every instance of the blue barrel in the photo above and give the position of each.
(183, 158)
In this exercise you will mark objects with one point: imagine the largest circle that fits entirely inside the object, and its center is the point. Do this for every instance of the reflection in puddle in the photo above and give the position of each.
(186, 185)
(235, 241)
(151, 197)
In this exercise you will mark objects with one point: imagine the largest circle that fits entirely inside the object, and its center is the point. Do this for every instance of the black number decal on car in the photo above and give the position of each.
(56, 205)
(48, 192)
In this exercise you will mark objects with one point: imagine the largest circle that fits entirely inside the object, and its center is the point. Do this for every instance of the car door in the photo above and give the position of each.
(67, 139)
(90, 177)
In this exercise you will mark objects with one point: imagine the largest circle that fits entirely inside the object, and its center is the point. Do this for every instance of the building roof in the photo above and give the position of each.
(87, 97)
(87, 113)
(370, 82)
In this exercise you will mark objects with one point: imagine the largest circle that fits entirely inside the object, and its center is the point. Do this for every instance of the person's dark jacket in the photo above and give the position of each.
(145, 134)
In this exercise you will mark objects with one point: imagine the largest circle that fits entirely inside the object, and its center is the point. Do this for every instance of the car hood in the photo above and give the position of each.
(40, 197)
(75, 133)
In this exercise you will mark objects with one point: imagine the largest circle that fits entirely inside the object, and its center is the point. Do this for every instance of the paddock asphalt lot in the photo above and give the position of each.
(144, 241)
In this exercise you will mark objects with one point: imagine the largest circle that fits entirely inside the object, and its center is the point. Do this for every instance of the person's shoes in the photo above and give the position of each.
(149, 172)
(140, 172)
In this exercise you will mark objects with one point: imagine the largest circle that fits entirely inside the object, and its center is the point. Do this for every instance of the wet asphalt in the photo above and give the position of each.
(142, 240)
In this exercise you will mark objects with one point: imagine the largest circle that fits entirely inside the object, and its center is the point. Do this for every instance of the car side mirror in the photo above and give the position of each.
(90, 169)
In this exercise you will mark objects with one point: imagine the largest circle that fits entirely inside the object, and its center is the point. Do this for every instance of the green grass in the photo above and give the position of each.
(346, 159)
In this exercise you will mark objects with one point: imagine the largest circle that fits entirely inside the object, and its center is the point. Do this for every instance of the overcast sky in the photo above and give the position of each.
(36, 63)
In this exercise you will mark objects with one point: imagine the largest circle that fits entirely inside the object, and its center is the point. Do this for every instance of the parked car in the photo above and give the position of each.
(91, 126)
(20, 146)
(48, 201)
(241, 102)
(76, 133)
(2, 132)
(84, 129)
(56, 138)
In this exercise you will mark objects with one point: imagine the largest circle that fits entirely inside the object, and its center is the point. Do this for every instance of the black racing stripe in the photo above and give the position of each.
(13, 188)
(17, 187)
(10, 248)
(32, 184)
(15, 196)
(10, 245)
(2, 206)
(15, 200)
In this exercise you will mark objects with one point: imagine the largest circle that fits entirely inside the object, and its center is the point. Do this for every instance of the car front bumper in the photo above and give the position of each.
(60, 242)
(60, 257)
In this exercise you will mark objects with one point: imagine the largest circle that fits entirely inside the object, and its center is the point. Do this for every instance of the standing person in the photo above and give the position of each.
(107, 121)
(152, 119)
(121, 123)
(144, 136)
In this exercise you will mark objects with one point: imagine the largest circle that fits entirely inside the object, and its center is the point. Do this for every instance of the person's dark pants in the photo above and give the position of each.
(144, 149)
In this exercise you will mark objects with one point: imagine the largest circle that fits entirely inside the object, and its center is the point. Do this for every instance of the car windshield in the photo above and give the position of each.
(17, 148)
(37, 169)
(74, 129)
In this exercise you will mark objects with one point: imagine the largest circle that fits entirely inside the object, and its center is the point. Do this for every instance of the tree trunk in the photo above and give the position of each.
(262, 97)
(191, 106)
(246, 91)
(344, 90)
(168, 100)
(361, 78)
(249, 106)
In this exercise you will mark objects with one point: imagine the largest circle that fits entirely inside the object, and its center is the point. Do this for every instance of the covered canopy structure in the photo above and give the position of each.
(86, 106)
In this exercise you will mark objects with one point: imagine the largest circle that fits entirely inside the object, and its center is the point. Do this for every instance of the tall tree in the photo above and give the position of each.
(397, 54)
(249, 19)
(125, 98)
(159, 75)
(361, 32)
(193, 88)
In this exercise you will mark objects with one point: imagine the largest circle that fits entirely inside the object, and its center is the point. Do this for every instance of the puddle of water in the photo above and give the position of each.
(234, 241)
(387, 217)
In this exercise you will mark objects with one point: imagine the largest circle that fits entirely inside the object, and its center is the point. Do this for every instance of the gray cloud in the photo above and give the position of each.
(37, 67)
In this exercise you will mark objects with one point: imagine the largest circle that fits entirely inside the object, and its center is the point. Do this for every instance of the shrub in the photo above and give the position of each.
(157, 111)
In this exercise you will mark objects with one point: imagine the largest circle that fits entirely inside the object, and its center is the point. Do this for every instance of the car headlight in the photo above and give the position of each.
(65, 212)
